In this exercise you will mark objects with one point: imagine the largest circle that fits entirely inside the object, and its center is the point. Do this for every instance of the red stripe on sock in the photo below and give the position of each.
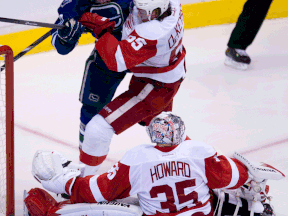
(91, 160)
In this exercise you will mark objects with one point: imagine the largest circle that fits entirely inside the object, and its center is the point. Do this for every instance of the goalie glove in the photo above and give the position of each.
(53, 171)
(100, 25)
(255, 188)
(259, 172)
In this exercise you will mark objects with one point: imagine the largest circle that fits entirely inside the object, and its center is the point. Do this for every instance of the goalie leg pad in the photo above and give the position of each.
(112, 208)
(38, 202)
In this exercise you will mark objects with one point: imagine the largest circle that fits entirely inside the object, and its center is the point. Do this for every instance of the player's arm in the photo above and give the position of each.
(219, 171)
(125, 54)
(65, 40)
(58, 175)
(118, 55)
(232, 173)
(224, 172)
(114, 184)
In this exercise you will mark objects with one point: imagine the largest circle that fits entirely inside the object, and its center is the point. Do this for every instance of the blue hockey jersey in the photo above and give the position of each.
(116, 10)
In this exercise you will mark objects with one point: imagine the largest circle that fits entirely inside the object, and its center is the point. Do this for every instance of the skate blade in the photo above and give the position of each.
(236, 65)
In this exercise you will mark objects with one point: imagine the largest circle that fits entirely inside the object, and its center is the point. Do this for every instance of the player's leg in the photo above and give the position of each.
(249, 23)
(245, 31)
(98, 88)
(95, 147)
(144, 98)
(99, 132)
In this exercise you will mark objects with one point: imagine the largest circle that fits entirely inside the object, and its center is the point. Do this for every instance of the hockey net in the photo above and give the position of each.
(7, 205)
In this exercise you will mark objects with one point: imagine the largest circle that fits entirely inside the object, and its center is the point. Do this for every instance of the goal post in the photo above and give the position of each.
(7, 178)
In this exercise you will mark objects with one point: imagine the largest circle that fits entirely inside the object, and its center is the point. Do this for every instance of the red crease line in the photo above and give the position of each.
(265, 146)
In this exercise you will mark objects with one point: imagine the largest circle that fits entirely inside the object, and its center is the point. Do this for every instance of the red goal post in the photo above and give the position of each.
(7, 180)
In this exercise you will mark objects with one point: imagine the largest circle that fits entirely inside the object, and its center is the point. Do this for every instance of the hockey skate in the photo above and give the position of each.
(237, 58)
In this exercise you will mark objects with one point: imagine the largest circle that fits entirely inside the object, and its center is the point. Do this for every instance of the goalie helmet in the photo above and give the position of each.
(148, 7)
(166, 128)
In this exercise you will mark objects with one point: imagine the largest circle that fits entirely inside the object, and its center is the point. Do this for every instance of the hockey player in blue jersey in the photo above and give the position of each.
(99, 83)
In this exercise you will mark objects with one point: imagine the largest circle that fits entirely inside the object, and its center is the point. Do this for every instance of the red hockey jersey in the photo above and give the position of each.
(167, 180)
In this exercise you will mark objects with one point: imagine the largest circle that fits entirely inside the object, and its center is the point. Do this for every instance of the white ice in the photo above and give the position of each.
(233, 110)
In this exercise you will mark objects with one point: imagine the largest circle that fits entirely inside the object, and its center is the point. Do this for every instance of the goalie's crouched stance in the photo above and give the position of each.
(175, 177)
(59, 175)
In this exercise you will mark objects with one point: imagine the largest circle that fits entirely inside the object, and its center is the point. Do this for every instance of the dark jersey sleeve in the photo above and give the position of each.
(116, 10)
(67, 10)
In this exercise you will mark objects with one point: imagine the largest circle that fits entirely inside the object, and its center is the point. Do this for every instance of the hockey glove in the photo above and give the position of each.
(100, 25)
(71, 32)
(259, 171)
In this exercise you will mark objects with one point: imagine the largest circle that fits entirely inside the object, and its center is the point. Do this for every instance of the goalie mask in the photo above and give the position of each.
(166, 128)
(151, 9)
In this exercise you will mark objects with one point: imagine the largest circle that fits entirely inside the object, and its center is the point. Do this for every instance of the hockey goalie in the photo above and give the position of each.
(177, 176)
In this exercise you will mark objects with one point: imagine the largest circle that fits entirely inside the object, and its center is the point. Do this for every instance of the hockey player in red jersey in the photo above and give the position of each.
(151, 48)
(175, 177)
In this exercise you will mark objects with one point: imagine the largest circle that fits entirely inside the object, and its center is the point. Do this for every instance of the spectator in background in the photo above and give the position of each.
(245, 31)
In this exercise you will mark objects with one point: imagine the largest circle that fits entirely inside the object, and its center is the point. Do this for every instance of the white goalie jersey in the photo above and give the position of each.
(169, 180)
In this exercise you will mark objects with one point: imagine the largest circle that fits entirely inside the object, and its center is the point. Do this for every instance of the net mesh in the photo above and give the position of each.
(3, 182)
